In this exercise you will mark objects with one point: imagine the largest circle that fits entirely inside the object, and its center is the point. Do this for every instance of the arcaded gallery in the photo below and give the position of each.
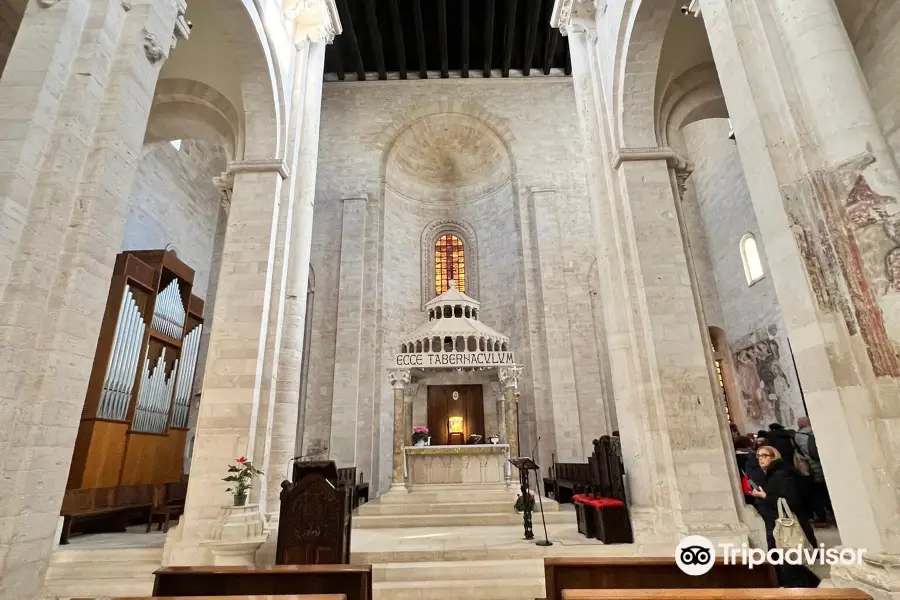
(429, 300)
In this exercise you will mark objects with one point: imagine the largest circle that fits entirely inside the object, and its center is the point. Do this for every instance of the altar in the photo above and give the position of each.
(469, 464)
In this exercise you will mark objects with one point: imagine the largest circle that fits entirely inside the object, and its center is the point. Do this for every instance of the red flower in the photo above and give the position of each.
(241, 460)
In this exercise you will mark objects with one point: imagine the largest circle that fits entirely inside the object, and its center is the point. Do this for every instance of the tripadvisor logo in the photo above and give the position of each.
(695, 555)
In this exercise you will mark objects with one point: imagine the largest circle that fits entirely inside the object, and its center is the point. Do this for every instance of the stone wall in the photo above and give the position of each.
(752, 321)
(495, 142)
(173, 201)
(9, 24)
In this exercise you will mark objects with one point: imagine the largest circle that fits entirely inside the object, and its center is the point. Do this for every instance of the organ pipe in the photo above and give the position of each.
(189, 352)
(168, 312)
(155, 396)
(126, 349)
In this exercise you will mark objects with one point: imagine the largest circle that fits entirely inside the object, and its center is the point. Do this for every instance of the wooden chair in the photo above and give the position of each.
(161, 510)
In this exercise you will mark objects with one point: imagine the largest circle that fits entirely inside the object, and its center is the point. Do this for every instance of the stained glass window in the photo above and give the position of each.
(449, 264)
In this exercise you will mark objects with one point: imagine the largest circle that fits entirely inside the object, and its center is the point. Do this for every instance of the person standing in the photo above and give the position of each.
(820, 501)
(783, 481)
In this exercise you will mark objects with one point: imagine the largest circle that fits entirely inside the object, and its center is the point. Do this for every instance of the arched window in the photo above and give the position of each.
(753, 268)
(449, 263)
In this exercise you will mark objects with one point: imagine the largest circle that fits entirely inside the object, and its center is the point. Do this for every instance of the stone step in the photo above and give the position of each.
(453, 589)
(120, 572)
(438, 494)
(467, 555)
(443, 508)
(456, 570)
(456, 520)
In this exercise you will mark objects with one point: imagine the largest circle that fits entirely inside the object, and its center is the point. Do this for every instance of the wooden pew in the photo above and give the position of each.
(266, 597)
(354, 581)
(110, 507)
(720, 594)
(638, 572)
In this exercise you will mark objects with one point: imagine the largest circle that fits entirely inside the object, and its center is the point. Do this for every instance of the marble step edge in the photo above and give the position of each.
(450, 555)
(453, 520)
(92, 555)
(460, 584)
(452, 570)
(437, 508)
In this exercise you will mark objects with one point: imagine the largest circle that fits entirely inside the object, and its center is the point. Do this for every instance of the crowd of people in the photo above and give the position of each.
(784, 463)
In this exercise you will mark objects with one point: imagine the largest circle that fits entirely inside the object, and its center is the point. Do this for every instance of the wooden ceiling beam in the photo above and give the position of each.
(442, 35)
(488, 36)
(531, 31)
(509, 35)
(375, 34)
(420, 38)
(398, 38)
(465, 38)
(347, 22)
(550, 51)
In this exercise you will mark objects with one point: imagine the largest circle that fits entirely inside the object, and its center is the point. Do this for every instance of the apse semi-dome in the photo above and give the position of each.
(447, 156)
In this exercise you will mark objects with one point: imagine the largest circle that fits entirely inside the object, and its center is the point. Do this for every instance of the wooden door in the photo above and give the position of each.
(442, 406)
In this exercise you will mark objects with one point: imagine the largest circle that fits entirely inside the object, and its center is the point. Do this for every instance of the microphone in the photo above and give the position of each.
(537, 475)
(290, 465)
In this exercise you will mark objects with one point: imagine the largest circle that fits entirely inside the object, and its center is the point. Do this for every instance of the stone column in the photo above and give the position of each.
(345, 402)
(232, 384)
(70, 149)
(509, 378)
(400, 379)
(283, 439)
(665, 407)
(827, 215)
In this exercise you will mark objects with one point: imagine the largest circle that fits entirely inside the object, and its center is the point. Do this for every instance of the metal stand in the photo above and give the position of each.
(546, 541)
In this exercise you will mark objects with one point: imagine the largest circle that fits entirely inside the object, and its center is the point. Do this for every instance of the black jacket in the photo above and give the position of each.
(783, 441)
(782, 481)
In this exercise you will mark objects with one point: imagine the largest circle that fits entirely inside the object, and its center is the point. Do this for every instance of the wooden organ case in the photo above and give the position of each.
(135, 419)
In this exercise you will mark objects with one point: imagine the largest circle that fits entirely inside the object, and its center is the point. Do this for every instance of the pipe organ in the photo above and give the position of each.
(134, 423)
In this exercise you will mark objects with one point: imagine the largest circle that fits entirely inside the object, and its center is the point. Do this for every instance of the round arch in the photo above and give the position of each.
(638, 69)
(693, 96)
(430, 235)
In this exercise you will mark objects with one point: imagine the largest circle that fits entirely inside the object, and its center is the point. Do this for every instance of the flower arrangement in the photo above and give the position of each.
(240, 476)
(525, 504)
(420, 434)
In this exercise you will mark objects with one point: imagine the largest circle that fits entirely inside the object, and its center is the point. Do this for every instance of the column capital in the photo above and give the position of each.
(267, 165)
(509, 376)
(314, 20)
(573, 16)
(646, 154)
(399, 378)
(225, 184)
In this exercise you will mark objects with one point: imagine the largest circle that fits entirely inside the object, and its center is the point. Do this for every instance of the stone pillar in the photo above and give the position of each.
(509, 378)
(345, 402)
(807, 137)
(283, 439)
(400, 379)
(68, 156)
(674, 460)
(232, 384)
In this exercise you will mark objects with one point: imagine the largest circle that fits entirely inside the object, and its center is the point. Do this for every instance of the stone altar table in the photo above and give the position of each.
(470, 464)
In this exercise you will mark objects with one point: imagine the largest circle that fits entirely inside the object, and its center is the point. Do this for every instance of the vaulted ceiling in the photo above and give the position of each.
(420, 39)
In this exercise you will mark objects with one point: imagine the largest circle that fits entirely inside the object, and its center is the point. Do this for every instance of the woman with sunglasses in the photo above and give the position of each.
(783, 481)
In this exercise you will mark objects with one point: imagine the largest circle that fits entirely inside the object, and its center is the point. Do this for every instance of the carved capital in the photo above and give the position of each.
(683, 170)
(152, 48)
(399, 378)
(314, 20)
(260, 166)
(225, 184)
(46, 3)
(509, 376)
(573, 16)
(126, 5)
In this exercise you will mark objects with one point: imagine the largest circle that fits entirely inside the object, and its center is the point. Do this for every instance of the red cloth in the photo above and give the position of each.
(596, 502)
(745, 484)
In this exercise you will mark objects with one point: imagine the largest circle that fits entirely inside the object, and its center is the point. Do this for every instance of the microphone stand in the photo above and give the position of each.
(537, 475)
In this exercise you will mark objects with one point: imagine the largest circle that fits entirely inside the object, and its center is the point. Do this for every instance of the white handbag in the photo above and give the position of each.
(788, 533)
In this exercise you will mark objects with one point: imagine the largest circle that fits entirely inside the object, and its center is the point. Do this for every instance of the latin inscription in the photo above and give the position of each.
(455, 359)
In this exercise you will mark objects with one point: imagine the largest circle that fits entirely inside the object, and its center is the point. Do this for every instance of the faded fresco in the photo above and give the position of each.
(765, 387)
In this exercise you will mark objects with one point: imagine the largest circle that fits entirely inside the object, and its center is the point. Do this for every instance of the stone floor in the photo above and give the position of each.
(409, 563)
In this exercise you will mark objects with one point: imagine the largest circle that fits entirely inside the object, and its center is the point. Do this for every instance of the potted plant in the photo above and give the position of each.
(525, 503)
(420, 434)
(240, 476)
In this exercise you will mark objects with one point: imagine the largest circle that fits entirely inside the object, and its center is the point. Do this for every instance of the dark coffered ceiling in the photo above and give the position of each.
(418, 39)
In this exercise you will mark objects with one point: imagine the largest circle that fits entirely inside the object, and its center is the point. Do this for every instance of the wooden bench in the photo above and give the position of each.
(638, 572)
(720, 594)
(168, 504)
(267, 597)
(568, 479)
(353, 581)
(112, 505)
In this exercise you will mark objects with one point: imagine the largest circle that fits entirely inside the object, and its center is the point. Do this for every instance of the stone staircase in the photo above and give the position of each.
(453, 548)
(119, 572)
